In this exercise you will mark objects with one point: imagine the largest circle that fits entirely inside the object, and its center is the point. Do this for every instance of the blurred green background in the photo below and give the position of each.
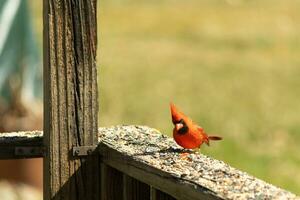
(233, 66)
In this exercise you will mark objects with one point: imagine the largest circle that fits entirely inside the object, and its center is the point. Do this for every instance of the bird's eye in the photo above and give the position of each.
(181, 121)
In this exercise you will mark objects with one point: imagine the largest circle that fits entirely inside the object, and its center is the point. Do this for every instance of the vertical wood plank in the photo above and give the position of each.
(134, 189)
(111, 183)
(156, 194)
(70, 98)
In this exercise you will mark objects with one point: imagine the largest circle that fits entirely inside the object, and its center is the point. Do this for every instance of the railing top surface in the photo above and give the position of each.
(151, 147)
(22, 137)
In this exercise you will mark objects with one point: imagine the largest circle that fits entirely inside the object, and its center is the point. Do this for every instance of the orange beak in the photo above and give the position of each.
(178, 126)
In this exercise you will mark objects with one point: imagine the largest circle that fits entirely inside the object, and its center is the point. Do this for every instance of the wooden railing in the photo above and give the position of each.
(138, 162)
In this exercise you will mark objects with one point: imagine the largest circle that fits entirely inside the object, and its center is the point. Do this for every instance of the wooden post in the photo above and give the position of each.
(70, 99)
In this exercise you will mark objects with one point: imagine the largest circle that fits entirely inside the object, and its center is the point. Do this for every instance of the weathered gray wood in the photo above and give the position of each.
(153, 192)
(134, 189)
(159, 195)
(159, 179)
(10, 142)
(70, 98)
(111, 183)
(146, 155)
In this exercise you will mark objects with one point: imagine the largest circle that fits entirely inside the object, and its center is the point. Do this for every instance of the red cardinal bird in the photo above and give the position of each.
(186, 133)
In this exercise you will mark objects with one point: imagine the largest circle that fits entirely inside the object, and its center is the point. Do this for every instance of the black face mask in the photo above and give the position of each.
(184, 129)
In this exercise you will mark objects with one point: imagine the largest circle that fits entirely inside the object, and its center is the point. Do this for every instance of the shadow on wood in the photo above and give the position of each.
(84, 183)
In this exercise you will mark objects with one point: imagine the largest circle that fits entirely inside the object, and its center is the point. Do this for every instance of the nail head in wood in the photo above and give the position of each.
(83, 150)
(29, 151)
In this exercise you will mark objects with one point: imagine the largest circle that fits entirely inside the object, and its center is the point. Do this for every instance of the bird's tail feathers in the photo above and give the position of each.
(208, 138)
(214, 138)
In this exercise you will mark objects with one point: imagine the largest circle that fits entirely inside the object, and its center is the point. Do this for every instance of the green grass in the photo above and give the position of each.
(233, 66)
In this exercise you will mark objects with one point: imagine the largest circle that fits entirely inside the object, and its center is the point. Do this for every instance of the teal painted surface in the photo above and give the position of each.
(20, 60)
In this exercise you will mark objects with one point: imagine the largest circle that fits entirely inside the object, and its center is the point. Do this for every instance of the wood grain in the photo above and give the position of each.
(134, 189)
(150, 175)
(111, 183)
(159, 195)
(70, 98)
(10, 142)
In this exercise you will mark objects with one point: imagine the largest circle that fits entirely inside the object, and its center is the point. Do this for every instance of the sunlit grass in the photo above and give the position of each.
(233, 66)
